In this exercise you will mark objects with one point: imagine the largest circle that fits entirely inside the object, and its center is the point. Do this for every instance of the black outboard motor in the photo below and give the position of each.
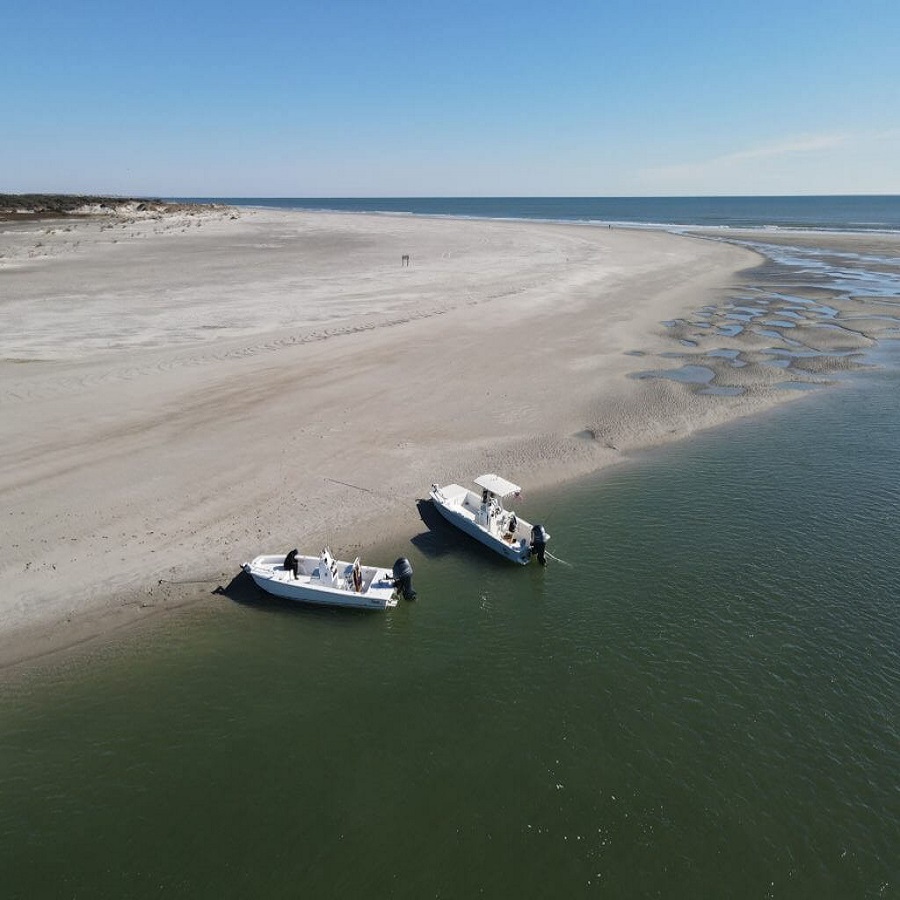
(539, 538)
(403, 578)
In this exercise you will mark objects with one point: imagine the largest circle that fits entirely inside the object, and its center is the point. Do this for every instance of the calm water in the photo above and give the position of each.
(703, 703)
(851, 213)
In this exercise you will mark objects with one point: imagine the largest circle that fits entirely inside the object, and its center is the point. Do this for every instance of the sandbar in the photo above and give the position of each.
(181, 392)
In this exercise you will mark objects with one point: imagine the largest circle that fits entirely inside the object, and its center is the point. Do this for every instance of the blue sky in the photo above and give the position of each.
(419, 98)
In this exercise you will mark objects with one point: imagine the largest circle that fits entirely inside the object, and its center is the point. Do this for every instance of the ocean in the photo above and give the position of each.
(697, 697)
(851, 213)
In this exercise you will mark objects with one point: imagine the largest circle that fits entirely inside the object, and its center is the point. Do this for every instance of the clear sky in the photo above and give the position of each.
(450, 97)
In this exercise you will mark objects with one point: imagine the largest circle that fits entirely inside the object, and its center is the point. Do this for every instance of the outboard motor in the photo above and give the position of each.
(539, 538)
(403, 578)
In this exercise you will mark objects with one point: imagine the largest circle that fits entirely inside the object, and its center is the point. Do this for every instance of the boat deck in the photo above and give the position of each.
(335, 588)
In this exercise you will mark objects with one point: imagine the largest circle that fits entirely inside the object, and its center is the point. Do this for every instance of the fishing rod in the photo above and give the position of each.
(358, 487)
(347, 484)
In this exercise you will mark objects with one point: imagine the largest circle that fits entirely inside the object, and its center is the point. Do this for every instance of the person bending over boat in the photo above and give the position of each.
(291, 564)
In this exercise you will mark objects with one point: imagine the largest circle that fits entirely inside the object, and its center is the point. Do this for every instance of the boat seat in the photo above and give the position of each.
(328, 570)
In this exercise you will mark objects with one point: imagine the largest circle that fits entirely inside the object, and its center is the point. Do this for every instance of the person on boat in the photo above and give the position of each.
(291, 563)
(511, 527)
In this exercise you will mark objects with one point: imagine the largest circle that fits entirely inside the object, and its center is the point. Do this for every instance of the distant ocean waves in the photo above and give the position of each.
(848, 213)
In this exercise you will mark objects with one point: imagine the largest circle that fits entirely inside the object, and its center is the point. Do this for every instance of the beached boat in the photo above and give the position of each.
(330, 582)
(484, 517)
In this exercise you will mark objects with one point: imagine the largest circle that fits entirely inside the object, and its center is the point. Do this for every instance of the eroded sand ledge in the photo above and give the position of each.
(181, 393)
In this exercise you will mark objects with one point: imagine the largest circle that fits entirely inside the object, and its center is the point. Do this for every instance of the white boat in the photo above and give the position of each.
(484, 517)
(330, 582)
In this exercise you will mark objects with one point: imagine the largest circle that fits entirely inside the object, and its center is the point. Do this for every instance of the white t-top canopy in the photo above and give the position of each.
(497, 485)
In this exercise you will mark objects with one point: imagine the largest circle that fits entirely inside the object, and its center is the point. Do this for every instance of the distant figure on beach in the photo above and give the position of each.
(404, 260)
(291, 564)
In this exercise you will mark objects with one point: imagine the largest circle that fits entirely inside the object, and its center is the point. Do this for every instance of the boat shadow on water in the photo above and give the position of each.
(439, 539)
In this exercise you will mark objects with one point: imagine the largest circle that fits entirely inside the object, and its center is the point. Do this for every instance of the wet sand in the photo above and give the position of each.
(182, 392)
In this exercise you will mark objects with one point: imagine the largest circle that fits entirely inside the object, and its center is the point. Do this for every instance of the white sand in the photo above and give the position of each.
(180, 394)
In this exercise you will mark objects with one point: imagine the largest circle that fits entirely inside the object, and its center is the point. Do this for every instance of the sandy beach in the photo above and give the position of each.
(182, 392)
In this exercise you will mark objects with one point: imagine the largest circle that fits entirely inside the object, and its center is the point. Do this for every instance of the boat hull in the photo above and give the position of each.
(456, 506)
(377, 591)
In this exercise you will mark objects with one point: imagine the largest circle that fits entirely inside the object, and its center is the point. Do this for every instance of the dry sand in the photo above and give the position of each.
(182, 392)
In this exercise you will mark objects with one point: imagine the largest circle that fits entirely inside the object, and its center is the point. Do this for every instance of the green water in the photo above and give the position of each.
(703, 704)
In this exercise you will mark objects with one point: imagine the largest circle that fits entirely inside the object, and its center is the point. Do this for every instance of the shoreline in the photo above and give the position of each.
(283, 381)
